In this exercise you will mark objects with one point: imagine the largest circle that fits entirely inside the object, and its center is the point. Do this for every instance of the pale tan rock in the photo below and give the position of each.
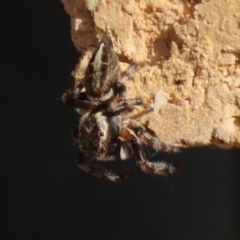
(192, 56)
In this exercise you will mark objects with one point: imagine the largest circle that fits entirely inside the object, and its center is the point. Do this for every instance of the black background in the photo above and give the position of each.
(45, 196)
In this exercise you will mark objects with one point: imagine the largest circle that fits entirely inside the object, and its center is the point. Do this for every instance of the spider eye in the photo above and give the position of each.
(101, 134)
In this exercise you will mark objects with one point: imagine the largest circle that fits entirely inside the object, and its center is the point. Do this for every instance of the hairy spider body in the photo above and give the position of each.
(102, 74)
(104, 133)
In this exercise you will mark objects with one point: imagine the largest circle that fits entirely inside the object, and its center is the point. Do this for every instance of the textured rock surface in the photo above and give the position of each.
(192, 55)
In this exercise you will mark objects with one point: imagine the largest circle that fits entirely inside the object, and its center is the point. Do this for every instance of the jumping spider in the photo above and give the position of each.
(104, 133)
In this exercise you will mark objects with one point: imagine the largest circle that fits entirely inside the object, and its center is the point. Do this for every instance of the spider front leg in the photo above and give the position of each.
(158, 168)
(101, 172)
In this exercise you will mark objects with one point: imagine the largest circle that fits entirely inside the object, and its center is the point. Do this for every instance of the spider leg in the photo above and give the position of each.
(126, 151)
(158, 168)
(100, 172)
(70, 99)
(116, 107)
(121, 89)
(126, 74)
(149, 138)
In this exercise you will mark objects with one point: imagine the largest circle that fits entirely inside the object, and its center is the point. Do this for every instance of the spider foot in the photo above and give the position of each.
(158, 168)
(101, 172)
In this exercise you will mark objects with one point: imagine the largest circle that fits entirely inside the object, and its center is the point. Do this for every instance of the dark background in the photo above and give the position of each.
(45, 196)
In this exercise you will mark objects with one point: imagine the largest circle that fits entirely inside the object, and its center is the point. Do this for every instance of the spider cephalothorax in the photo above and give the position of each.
(97, 133)
(104, 133)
